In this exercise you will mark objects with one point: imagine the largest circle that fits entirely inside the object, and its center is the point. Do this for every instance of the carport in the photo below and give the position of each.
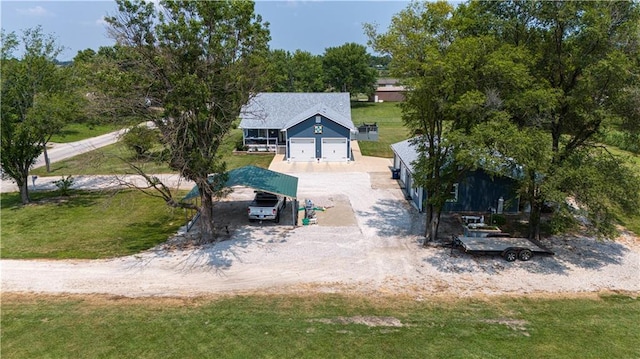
(262, 180)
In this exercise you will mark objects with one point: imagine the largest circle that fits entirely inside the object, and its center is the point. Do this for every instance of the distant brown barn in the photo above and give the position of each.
(388, 90)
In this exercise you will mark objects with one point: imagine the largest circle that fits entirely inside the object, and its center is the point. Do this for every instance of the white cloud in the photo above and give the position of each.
(38, 11)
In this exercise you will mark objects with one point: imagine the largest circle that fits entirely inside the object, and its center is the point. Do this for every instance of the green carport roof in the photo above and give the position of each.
(258, 178)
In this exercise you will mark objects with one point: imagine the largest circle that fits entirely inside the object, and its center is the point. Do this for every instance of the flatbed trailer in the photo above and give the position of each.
(510, 248)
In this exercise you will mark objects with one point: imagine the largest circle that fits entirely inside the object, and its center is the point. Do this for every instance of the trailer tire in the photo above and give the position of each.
(525, 255)
(510, 255)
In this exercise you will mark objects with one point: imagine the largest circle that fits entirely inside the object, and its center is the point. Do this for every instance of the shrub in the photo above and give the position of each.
(64, 185)
(140, 139)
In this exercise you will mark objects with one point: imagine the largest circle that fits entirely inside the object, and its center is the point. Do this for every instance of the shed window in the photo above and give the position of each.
(453, 195)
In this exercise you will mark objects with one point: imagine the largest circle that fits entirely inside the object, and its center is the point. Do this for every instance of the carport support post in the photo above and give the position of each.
(294, 205)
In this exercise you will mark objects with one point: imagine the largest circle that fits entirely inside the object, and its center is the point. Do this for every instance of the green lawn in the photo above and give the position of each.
(390, 126)
(85, 224)
(322, 326)
(109, 160)
(80, 131)
(631, 222)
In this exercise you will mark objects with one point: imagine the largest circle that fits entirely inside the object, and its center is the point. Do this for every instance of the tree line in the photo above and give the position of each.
(525, 87)
(529, 87)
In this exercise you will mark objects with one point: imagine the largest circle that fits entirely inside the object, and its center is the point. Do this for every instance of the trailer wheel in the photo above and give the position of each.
(510, 255)
(525, 255)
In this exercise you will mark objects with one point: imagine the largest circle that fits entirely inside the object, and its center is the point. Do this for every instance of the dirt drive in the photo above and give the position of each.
(367, 241)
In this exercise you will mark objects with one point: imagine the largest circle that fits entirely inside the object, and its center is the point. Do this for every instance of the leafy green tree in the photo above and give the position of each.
(300, 72)
(37, 101)
(307, 71)
(203, 61)
(585, 66)
(346, 69)
(453, 86)
(279, 74)
(114, 91)
(140, 140)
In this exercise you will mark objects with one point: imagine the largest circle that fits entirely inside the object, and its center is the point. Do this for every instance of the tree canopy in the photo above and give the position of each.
(37, 100)
(556, 72)
(202, 62)
(347, 69)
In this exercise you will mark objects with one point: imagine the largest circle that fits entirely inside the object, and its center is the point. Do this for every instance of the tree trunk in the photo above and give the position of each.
(24, 191)
(47, 161)
(535, 214)
(433, 223)
(206, 219)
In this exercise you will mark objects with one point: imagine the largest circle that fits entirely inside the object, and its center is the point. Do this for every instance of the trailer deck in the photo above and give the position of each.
(509, 248)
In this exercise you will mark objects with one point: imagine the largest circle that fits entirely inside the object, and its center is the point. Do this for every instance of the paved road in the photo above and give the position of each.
(62, 151)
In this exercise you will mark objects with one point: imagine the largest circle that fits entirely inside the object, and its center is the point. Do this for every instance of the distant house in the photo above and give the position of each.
(389, 90)
(304, 126)
(477, 191)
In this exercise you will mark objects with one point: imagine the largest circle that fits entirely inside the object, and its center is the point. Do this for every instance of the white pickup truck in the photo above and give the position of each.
(266, 206)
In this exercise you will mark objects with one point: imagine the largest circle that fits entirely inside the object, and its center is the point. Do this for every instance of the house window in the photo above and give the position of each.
(453, 195)
(318, 119)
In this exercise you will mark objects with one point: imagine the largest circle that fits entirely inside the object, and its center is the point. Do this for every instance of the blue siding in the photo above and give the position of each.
(330, 129)
(478, 192)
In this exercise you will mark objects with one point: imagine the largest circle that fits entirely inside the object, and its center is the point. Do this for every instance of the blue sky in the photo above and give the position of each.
(295, 24)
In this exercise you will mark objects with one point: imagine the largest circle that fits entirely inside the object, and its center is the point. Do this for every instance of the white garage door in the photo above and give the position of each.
(334, 149)
(302, 149)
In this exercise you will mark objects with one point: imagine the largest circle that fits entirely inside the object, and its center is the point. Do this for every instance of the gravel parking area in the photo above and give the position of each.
(366, 242)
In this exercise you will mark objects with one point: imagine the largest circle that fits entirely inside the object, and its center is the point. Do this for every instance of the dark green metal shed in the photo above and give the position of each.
(257, 178)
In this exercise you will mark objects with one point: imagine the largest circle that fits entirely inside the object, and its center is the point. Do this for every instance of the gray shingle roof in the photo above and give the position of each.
(279, 110)
(499, 164)
(406, 152)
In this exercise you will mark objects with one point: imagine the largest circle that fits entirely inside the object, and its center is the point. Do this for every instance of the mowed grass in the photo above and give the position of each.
(113, 160)
(321, 326)
(80, 131)
(390, 127)
(630, 221)
(84, 225)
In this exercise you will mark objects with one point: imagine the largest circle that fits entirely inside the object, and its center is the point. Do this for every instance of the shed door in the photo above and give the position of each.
(334, 149)
(302, 149)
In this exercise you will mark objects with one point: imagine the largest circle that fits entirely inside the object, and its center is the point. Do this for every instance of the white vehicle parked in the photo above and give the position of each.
(266, 206)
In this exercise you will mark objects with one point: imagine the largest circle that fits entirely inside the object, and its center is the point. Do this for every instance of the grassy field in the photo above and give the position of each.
(390, 126)
(631, 222)
(85, 224)
(109, 160)
(80, 131)
(323, 326)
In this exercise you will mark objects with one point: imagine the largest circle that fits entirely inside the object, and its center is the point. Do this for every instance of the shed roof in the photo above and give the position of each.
(270, 110)
(497, 163)
(406, 152)
(260, 179)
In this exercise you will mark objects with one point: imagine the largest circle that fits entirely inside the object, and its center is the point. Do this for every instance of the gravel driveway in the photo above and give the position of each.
(366, 242)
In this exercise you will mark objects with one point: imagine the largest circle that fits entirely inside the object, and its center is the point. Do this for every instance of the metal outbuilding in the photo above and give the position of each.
(257, 178)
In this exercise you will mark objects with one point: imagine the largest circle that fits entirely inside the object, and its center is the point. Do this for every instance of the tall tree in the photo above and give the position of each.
(37, 100)
(585, 65)
(297, 72)
(203, 60)
(346, 69)
(451, 89)
(307, 71)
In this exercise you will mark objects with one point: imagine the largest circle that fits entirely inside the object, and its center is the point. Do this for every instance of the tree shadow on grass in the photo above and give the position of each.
(12, 201)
